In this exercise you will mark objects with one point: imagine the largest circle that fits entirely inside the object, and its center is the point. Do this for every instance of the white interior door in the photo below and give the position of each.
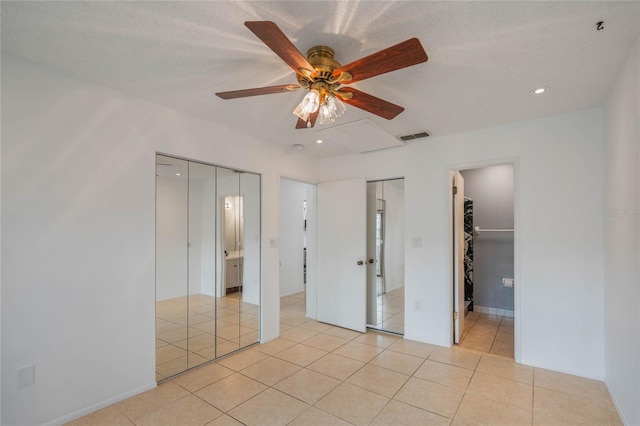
(341, 242)
(458, 255)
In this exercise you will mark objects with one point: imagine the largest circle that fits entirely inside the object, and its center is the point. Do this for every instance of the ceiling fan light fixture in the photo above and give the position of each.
(325, 116)
(331, 109)
(310, 104)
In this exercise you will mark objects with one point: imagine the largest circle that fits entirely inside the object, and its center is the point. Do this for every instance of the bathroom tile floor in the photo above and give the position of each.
(325, 375)
(488, 333)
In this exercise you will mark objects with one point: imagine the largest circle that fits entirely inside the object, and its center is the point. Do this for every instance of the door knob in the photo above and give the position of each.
(360, 263)
(371, 260)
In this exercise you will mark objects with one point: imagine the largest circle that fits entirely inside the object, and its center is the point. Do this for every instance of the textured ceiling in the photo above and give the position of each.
(484, 57)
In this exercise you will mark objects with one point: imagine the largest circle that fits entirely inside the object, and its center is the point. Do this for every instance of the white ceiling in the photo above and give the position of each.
(484, 57)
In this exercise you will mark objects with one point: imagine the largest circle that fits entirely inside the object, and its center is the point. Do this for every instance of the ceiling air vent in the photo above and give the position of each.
(414, 136)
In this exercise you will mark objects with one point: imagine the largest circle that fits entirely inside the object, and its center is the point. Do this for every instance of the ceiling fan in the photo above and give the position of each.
(323, 77)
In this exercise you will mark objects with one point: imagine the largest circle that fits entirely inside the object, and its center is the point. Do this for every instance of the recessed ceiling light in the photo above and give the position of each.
(319, 141)
(298, 146)
(177, 174)
(540, 90)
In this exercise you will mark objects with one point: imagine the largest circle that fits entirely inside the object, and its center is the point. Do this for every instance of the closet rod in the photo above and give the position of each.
(478, 229)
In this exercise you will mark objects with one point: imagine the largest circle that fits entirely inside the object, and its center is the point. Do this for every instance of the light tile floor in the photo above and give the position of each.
(488, 333)
(325, 375)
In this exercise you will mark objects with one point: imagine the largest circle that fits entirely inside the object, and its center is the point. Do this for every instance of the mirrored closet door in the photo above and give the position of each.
(385, 254)
(207, 263)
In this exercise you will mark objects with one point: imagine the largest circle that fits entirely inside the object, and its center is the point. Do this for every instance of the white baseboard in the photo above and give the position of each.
(268, 339)
(291, 293)
(615, 403)
(493, 311)
(97, 406)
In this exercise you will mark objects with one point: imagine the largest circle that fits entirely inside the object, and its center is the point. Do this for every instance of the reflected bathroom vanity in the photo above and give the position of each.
(233, 272)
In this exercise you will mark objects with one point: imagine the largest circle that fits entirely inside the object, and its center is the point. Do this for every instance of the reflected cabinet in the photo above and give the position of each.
(207, 263)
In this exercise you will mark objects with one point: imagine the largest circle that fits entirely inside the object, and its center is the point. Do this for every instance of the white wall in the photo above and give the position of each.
(78, 182)
(559, 198)
(622, 240)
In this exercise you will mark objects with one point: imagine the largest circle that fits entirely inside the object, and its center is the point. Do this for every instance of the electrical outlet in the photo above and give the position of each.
(273, 243)
(26, 376)
(417, 305)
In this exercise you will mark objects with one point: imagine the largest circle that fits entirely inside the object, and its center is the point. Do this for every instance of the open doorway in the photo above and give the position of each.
(297, 240)
(483, 234)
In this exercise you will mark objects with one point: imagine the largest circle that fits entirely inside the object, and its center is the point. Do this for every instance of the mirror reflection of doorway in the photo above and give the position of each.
(385, 247)
(233, 230)
(297, 255)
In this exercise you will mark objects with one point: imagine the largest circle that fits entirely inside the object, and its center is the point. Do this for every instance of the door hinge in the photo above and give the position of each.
(455, 315)
(455, 190)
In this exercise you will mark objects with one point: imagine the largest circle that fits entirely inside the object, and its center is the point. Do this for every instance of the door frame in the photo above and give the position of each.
(457, 230)
(517, 288)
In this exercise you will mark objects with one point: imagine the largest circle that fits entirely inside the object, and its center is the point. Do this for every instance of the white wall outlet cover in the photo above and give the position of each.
(273, 242)
(26, 376)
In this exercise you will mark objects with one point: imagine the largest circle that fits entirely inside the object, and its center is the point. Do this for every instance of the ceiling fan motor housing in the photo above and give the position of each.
(321, 58)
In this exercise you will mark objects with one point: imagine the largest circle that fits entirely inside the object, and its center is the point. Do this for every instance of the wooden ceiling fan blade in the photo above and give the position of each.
(301, 124)
(371, 104)
(276, 40)
(401, 55)
(234, 94)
